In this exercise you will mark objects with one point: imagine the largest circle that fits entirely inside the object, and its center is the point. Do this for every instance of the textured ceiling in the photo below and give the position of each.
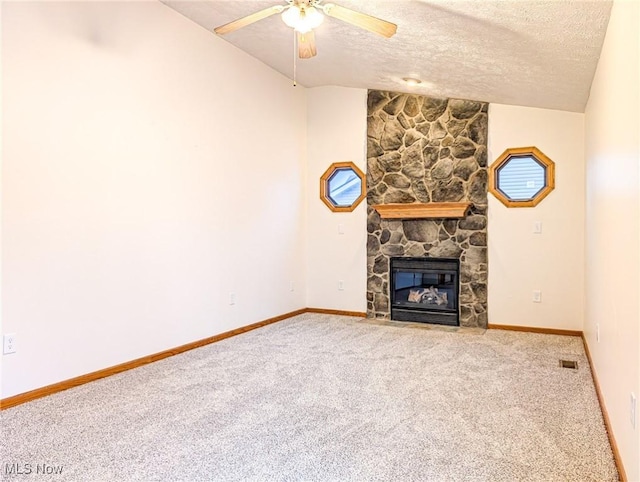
(540, 53)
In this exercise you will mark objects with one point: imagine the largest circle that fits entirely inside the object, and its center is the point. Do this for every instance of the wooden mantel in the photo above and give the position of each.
(422, 211)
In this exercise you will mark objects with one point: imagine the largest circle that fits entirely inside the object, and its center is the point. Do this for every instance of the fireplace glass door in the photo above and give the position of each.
(425, 290)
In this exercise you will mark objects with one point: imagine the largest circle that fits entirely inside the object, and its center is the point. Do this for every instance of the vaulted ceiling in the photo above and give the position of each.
(540, 53)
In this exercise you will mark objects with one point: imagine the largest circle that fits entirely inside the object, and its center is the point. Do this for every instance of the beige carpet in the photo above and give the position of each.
(320, 398)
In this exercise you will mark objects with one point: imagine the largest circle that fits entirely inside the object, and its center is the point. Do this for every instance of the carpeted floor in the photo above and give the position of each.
(321, 397)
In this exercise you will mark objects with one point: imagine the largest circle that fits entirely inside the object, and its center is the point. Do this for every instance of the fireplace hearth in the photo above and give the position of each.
(425, 290)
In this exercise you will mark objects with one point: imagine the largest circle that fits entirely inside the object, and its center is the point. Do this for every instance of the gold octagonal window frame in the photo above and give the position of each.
(518, 152)
(325, 188)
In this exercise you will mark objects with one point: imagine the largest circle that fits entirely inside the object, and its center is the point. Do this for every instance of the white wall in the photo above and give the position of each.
(149, 169)
(553, 261)
(612, 225)
(337, 126)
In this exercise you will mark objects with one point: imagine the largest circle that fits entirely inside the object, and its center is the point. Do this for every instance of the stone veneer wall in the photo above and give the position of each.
(422, 149)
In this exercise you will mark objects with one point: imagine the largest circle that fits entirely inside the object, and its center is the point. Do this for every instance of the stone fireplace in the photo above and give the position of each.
(427, 150)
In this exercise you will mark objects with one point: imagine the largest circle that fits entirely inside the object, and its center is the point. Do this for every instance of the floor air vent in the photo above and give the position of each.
(569, 364)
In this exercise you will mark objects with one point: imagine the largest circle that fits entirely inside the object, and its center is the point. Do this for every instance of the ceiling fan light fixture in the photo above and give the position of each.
(302, 19)
(313, 17)
(291, 15)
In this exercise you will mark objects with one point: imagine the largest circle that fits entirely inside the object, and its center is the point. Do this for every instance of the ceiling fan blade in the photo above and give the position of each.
(306, 45)
(362, 20)
(248, 20)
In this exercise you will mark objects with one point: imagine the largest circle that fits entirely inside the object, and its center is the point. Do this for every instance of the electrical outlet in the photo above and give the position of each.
(341, 285)
(232, 298)
(537, 296)
(633, 409)
(598, 332)
(9, 343)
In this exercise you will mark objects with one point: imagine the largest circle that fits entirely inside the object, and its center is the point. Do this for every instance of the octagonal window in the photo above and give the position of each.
(342, 186)
(521, 177)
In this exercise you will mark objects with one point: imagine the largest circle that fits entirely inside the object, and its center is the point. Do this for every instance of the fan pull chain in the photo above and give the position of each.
(295, 58)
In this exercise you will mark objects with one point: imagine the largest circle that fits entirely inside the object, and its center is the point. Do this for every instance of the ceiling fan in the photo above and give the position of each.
(305, 15)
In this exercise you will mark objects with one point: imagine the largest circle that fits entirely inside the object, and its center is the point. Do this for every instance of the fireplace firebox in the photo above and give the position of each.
(425, 290)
